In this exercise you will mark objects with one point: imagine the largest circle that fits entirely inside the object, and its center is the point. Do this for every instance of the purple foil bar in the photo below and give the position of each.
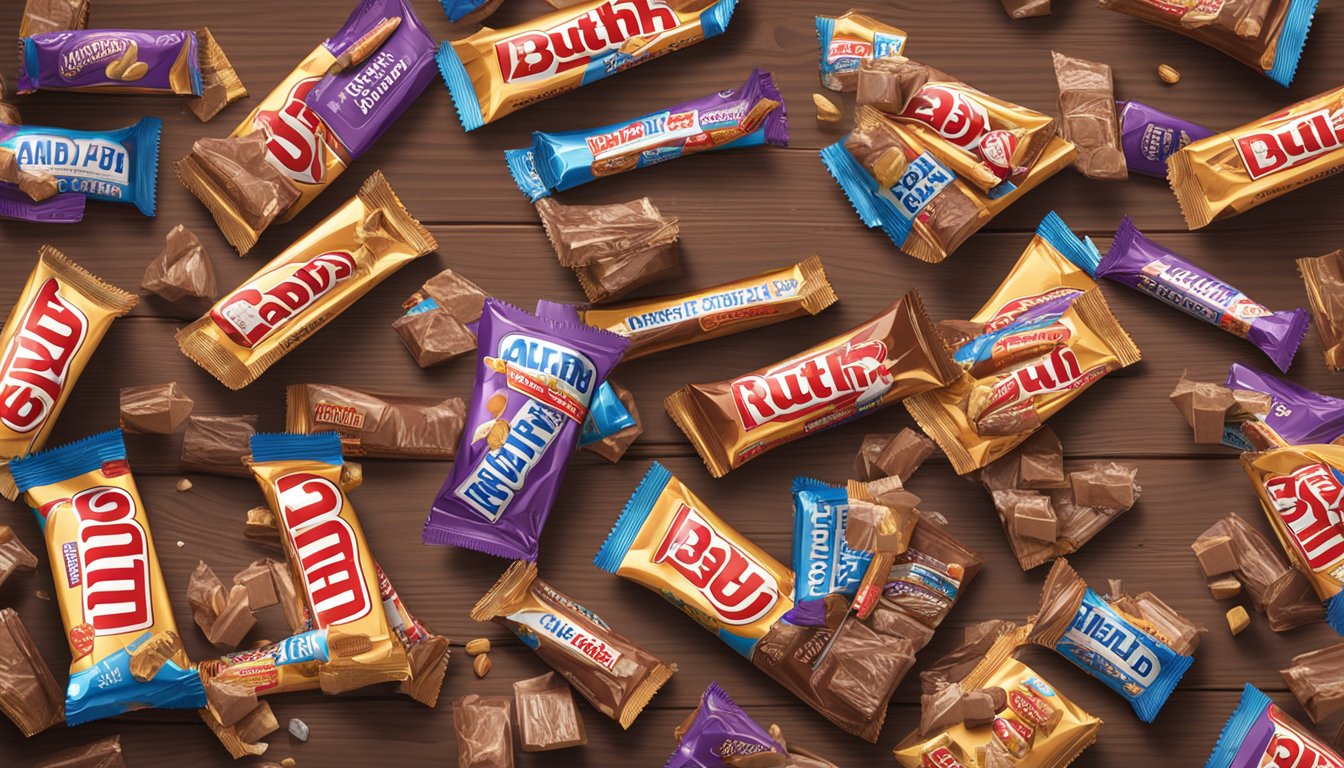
(82, 59)
(1145, 266)
(1149, 136)
(64, 208)
(720, 730)
(534, 380)
(1298, 415)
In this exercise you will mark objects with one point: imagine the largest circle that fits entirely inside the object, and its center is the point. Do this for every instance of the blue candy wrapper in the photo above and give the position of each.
(607, 415)
(120, 166)
(822, 563)
(1260, 734)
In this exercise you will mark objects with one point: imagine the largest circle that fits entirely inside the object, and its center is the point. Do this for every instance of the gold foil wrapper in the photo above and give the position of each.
(853, 35)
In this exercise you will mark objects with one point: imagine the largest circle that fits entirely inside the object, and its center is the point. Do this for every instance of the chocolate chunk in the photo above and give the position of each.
(608, 279)
(228, 734)
(14, 556)
(1316, 679)
(484, 732)
(613, 249)
(218, 444)
(42, 16)
(230, 702)
(38, 185)
(9, 166)
(977, 709)
(104, 753)
(257, 724)
(1237, 620)
(1215, 554)
(1291, 602)
(1041, 461)
(861, 668)
(1168, 625)
(997, 696)
(1324, 279)
(1248, 404)
(429, 663)
(547, 716)
(941, 709)
(296, 614)
(233, 622)
(879, 85)
(260, 584)
(1034, 518)
(1087, 117)
(883, 528)
(29, 695)
(206, 596)
(1205, 406)
(865, 461)
(613, 446)
(956, 333)
(389, 426)
(434, 337)
(157, 409)
(1225, 587)
(452, 293)
(904, 454)
(1023, 9)
(261, 526)
(213, 99)
(182, 270)
(258, 191)
(1108, 485)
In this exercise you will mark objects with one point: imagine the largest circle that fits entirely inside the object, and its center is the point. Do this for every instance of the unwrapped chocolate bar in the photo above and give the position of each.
(29, 695)
(181, 270)
(613, 249)
(1324, 278)
(484, 728)
(547, 716)
(154, 409)
(1316, 679)
(1205, 406)
(218, 444)
(236, 172)
(387, 426)
(1087, 116)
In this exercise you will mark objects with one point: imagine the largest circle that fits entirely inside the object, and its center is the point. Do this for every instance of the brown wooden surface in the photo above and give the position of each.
(741, 213)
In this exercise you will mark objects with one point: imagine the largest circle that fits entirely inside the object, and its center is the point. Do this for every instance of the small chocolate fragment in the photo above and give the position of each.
(434, 337)
(1041, 461)
(1316, 679)
(547, 715)
(1215, 554)
(296, 614)
(104, 753)
(941, 709)
(1087, 117)
(9, 166)
(1249, 404)
(1225, 587)
(452, 293)
(234, 622)
(230, 702)
(1023, 9)
(904, 454)
(613, 249)
(484, 732)
(42, 16)
(1324, 278)
(206, 596)
(29, 695)
(1034, 518)
(259, 581)
(155, 409)
(865, 461)
(257, 724)
(613, 446)
(38, 185)
(229, 737)
(14, 556)
(239, 169)
(182, 269)
(1108, 485)
(218, 444)
(9, 115)
(977, 709)
(879, 85)
(1205, 406)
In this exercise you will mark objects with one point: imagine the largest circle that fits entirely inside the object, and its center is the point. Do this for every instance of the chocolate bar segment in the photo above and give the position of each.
(484, 728)
(218, 444)
(547, 716)
(1324, 278)
(387, 426)
(155, 409)
(29, 695)
(181, 270)
(1316, 679)
(1087, 116)
(613, 249)
(14, 556)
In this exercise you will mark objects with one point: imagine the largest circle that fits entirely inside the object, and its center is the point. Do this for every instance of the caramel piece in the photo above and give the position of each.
(1225, 587)
(1238, 619)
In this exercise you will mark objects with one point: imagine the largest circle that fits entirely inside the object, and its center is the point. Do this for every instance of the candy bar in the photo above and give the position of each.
(29, 695)
(890, 357)
(617, 676)
(613, 446)
(234, 174)
(233, 681)
(496, 72)
(1078, 624)
(14, 556)
(126, 61)
(719, 732)
(1324, 278)
(1266, 35)
(1149, 136)
(1025, 9)
(749, 115)
(1297, 415)
(1149, 268)
(848, 40)
(316, 124)
(1259, 733)
(42, 16)
(134, 148)
(484, 729)
(1087, 116)
(668, 322)
(307, 285)
(230, 701)
(904, 454)
(547, 716)
(820, 550)
(1037, 725)
(157, 409)
(534, 381)
(1301, 490)
(104, 753)
(218, 444)
(1316, 680)
(388, 426)
(87, 497)
(1231, 172)
(1108, 485)
(181, 270)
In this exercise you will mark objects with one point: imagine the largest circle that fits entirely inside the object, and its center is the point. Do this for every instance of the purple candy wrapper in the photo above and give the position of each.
(1145, 266)
(720, 729)
(534, 380)
(64, 208)
(110, 60)
(1149, 136)
(361, 103)
(1298, 415)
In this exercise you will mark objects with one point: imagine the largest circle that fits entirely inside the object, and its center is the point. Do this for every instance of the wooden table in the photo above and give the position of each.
(741, 212)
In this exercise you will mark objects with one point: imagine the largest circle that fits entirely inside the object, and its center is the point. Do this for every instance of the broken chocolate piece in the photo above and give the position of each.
(452, 293)
(1034, 518)
(38, 185)
(880, 85)
(1215, 554)
(904, 454)
(230, 702)
(613, 446)
(29, 695)
(941, 709)
(1205, 406)
(238, 168)
(1225, 587)
(1108, 485)
(157, 409)
(257, 724)
(206, 596)
(547, 715)
(258, 578)
(1087, 117)
(234, 622)
(181, 270)
(218, 444)
(104, 753)
(1316, 679)
(613, 249)
(434, 337)
(14, 556)
(42, 16)
(484, 732)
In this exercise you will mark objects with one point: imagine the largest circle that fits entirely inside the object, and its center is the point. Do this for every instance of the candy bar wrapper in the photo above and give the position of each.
(41, 16)
(1296, 416)
(300, 475)
(55, 325)
(1324, 278)
(820, 552)
(119, 166)
(614, 674)
(469, 11)
(307, 286)
(607, 415)
(1120, 650)
(1087, 116)
(386, 426)
(747, 116)
(896, 181)
(668, 322)
(846, 40)
(1265, 35)
(124, 61)
(1301, 490)
(1149, 268)
(1234, 171)
(1260, 733)
(316, 124)
(1149, 136)
(894, 355)
(535, 380)
(498, 71)
(64, 208)
(292, 664)
(1038, 728)
(718, 730)
(109, 585)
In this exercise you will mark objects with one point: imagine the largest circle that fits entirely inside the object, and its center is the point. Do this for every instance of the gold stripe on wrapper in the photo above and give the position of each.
(668, 322)
(57, 322)
(1232, 172)
(307, 285)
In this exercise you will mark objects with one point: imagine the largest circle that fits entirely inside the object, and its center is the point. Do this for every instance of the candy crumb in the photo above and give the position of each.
(183, 485)
(1238, 619)
(827, 111)
(298, 729)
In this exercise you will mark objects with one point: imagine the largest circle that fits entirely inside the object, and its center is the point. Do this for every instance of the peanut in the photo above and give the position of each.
(478, 646)
(481, 666)
(183, 485)
(827, 111)
(1168, 74)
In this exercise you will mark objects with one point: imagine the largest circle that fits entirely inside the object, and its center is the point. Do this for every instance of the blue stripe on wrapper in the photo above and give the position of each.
(459, 87)
(822, 562)
(1079, 250)
(120, 166)
(286, 446)
(631, 519)
(894, 210)
(825, 32)
(714, 21)
(1334, 612)
(55, 465)
(607, 415)
(1292, 39)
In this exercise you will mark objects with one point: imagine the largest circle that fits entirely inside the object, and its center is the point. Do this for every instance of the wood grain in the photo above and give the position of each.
(741, 212)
